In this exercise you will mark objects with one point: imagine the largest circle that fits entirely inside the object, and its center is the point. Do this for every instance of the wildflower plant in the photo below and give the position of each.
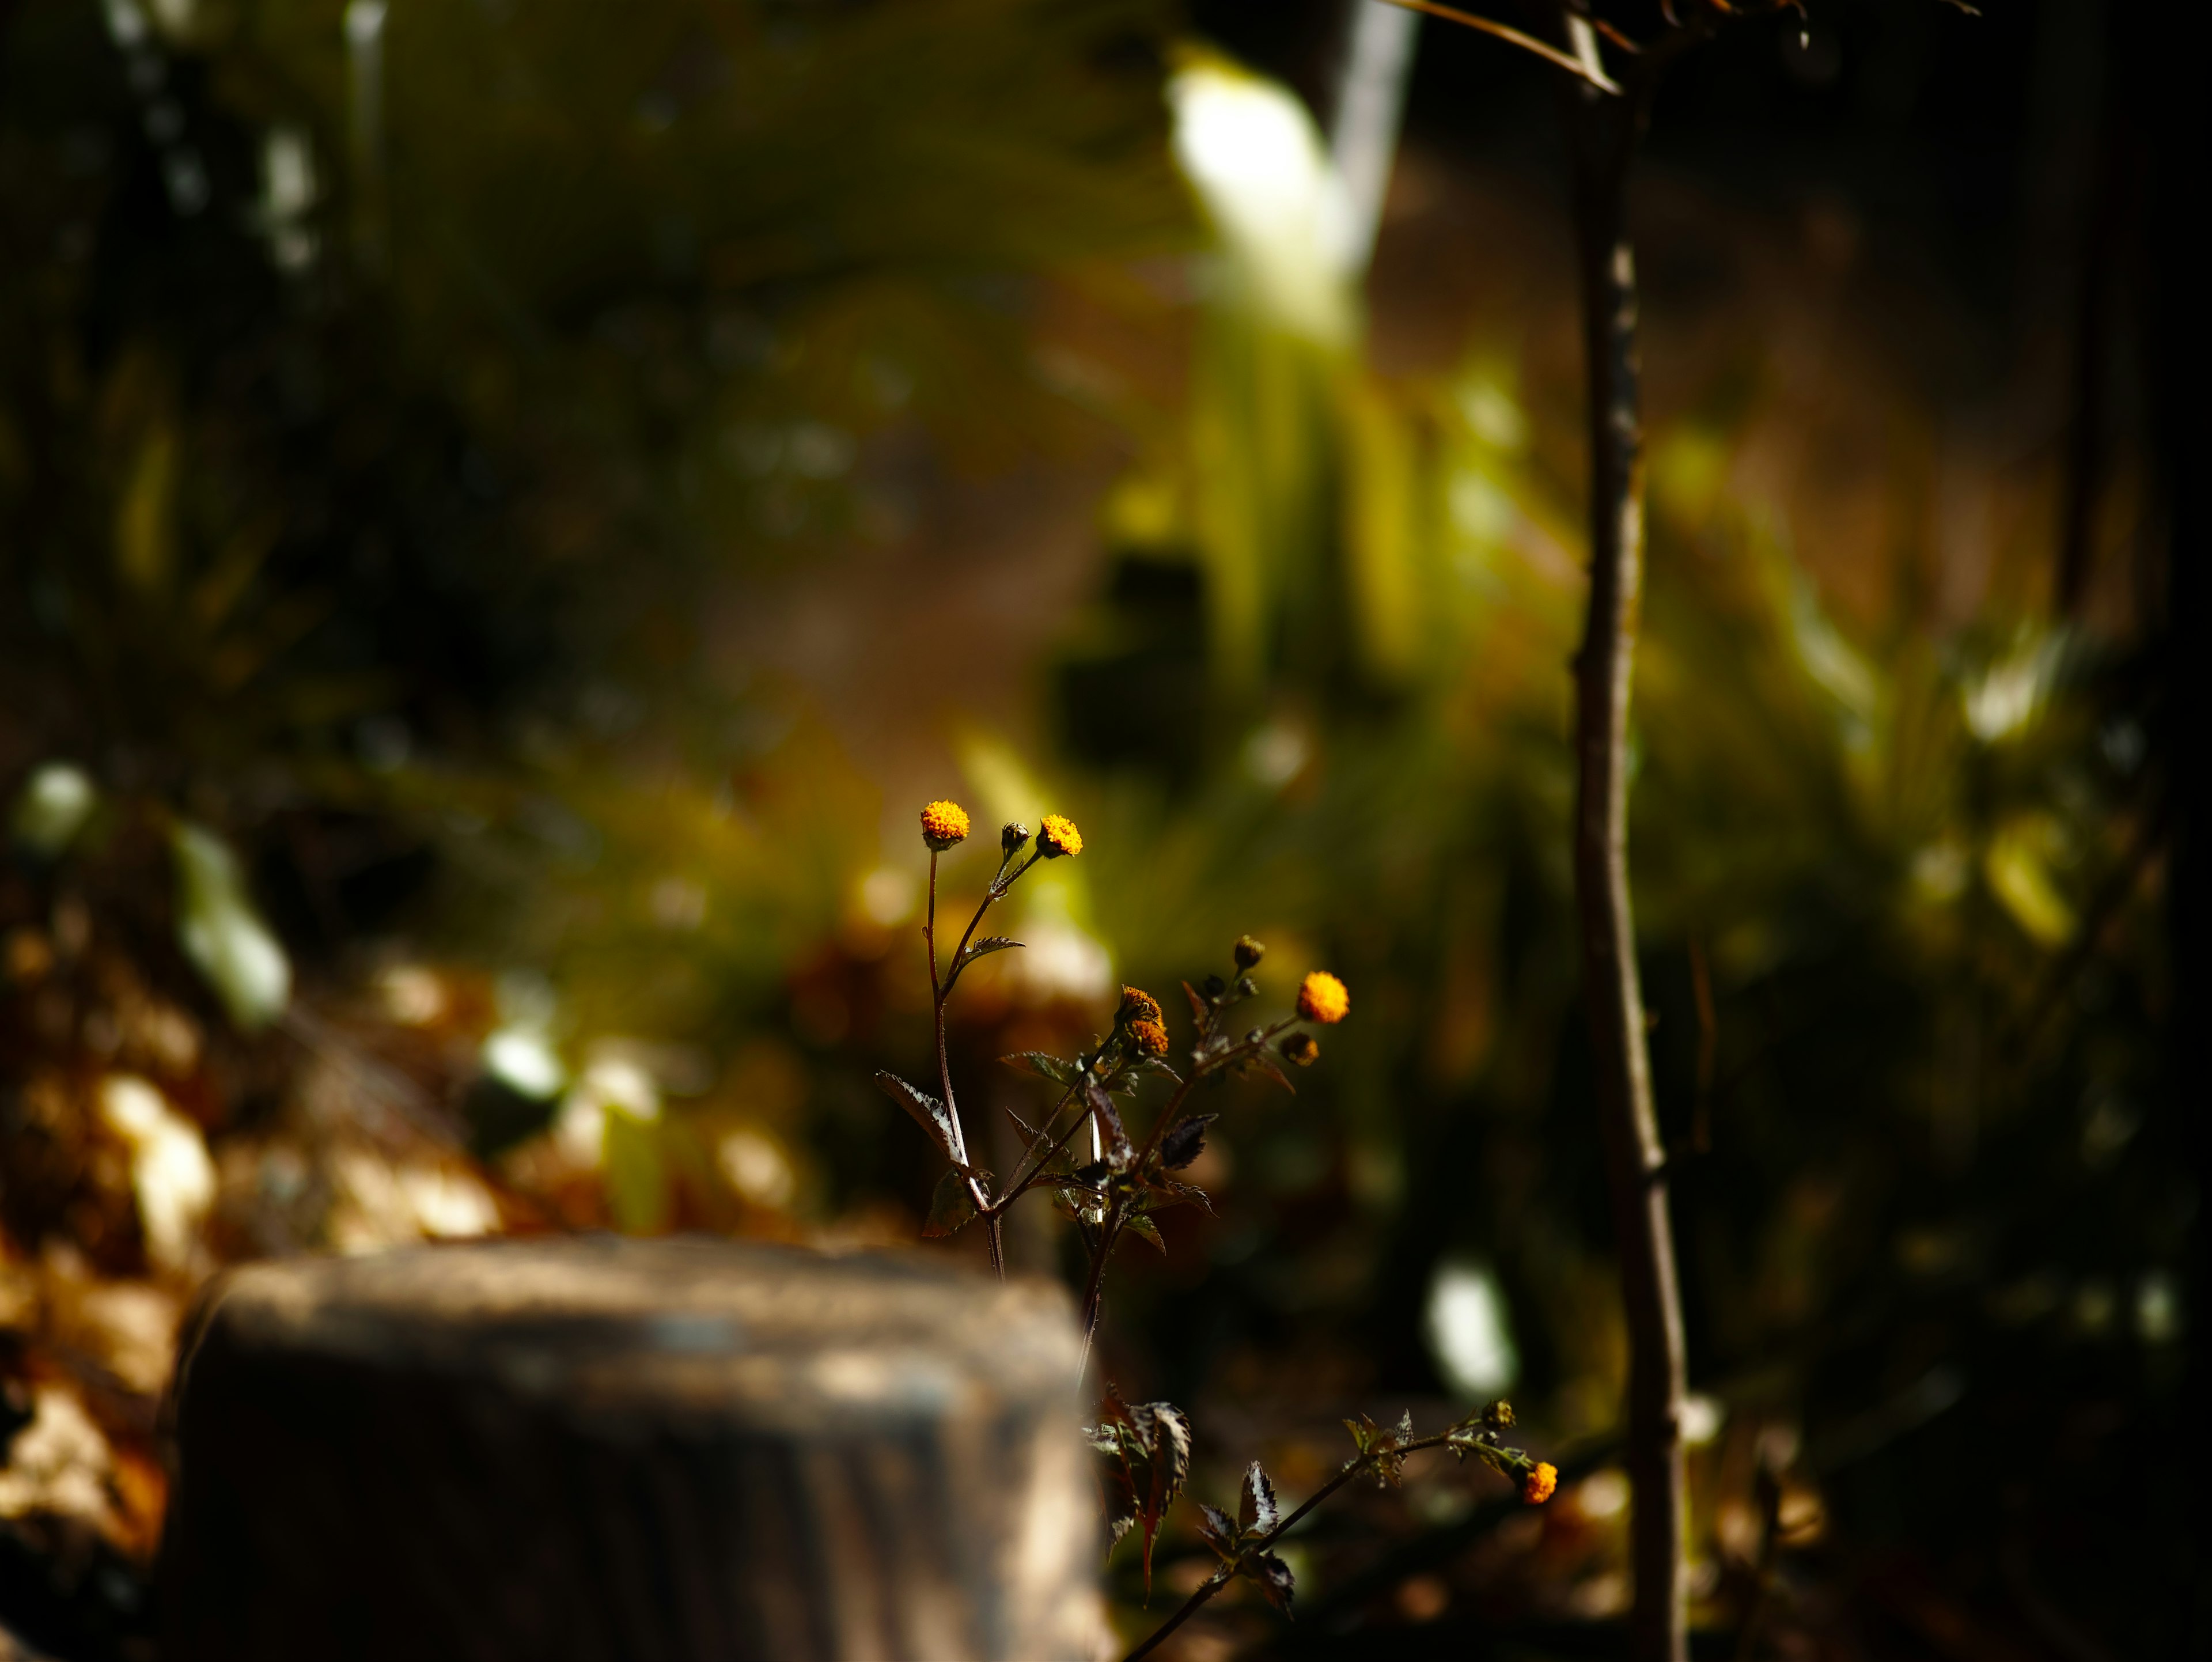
(1112, 1184)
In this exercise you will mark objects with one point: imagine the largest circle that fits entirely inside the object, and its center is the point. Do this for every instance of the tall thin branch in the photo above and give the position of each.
(1604, 133)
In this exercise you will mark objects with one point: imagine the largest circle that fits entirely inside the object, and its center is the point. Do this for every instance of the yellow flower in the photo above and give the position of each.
(944, 824)
(1302, 1048)
(1536, 1488)
(1152, 1038)
(1324, 998)
(1058, 836)
(1137, 1004)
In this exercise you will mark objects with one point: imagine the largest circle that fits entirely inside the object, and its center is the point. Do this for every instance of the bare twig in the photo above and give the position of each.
(1550, 54)
(1604, 137)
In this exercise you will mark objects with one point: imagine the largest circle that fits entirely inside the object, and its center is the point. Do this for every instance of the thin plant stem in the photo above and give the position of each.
(1222, 1577)
(1604, 135)
(1021, 1185)
(940, 992)
(1110, 1224)
(1094, 1292)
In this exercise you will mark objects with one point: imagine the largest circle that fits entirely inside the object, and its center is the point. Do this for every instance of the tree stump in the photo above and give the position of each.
(633, 1450)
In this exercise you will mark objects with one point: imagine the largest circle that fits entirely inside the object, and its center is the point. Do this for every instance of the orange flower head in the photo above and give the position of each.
(1324, 998)
(1058, 836)
(944, 824)
(1536, 1488)
(1137, 1004)
(1151, 1037)
(1301, 1047)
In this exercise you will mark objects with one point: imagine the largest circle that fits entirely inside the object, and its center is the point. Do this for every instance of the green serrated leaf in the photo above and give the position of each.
(1166, 1192)
(952, 1207)
(926, 1110)
(1041, 1066)
(987, 945)
(1146, 1229)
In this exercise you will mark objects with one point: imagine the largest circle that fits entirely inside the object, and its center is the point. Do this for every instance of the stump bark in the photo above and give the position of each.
(635, 1449)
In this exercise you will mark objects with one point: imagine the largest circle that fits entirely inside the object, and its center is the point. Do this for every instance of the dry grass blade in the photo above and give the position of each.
(1550, 54)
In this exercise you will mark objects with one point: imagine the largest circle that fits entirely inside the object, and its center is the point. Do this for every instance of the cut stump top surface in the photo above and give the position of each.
(767, 1333)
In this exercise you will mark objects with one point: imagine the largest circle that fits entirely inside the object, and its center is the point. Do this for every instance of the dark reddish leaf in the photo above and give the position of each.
(1184, 1141)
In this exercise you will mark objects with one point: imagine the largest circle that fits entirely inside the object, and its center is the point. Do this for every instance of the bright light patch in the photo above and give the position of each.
(170, 1171)
(1061, 962)
(1252, 151)
(520, 1058)
(1492, 417)
(1468, 1331)
(2006, 699)
(1702, 1418)
(1275, 754)
(1602, 1494)
(222, 933)
(887, 895)
(756, 1167)
(2158, 1308)
(56, 802)
(412, 995)
(678, 903)
(608, 1083)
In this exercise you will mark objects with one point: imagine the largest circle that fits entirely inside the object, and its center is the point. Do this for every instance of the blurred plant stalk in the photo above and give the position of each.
(1603, 130)
(1604, 123)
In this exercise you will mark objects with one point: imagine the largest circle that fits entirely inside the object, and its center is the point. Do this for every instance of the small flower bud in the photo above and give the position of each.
(1213, 986)
(1246, 987)
(1012, 836)
(1301, 1047)
(1137, 1005)
(943, 825)
(1058, 836)
(1499, 1416)
(1248, 953)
